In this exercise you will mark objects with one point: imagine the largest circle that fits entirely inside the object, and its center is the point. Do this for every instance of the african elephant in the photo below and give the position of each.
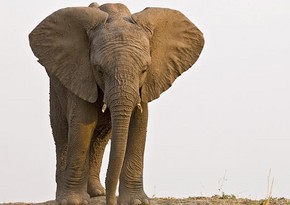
(105, 64)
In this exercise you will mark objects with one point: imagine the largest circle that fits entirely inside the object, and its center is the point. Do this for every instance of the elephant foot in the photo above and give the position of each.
(73, 198)
(133, 199)
(95, 188)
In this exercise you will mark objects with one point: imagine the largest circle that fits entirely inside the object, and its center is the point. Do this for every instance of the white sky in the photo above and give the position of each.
(231, 113)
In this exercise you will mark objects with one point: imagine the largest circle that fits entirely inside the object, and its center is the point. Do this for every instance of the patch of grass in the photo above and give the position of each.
(269, 189)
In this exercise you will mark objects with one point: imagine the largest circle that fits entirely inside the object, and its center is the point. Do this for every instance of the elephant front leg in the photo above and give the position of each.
(98, 144)
(131, 180)
(76, 173)
(59, 127)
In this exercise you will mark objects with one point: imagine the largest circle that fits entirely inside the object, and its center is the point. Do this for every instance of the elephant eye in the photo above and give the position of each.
(144, 69)
(100, 71)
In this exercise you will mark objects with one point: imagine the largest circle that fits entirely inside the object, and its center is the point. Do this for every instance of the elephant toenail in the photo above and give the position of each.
(137, 202)
(99, 192)
(146, 202)
(63, 202)
(74, 202)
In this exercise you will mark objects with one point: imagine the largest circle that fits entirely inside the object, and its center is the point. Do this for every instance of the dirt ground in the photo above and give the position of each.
(215, 200)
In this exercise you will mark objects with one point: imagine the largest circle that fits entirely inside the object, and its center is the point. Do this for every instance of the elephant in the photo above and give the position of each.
(105, 65)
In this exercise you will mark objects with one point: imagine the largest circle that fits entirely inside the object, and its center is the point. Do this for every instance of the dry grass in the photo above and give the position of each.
(215, 200)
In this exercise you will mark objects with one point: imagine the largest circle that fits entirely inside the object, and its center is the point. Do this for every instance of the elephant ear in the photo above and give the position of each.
(176, 44)
(61, 44)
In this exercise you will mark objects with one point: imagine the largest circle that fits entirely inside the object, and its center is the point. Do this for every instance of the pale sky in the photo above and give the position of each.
(228, 115)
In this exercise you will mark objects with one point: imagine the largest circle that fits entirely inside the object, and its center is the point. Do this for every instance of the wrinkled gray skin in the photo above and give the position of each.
(105, 65)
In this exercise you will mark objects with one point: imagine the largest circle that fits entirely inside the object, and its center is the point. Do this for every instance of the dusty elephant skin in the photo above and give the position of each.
(105, 64)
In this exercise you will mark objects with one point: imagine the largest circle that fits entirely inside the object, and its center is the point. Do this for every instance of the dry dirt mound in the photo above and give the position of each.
(215, 200)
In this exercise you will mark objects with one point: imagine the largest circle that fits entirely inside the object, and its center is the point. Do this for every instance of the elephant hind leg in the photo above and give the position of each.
(59, 127)
(99, 141)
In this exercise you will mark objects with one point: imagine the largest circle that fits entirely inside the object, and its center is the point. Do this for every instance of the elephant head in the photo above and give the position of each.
(131, 58)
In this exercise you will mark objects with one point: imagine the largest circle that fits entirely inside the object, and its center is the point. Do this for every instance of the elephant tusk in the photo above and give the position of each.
(104, 108)
(140, 107)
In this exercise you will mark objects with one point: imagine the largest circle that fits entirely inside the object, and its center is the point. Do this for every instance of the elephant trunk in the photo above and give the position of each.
(121, 103)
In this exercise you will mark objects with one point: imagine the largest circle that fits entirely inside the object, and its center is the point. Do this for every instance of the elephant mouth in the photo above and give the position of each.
(104, 107)
(121, 95)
